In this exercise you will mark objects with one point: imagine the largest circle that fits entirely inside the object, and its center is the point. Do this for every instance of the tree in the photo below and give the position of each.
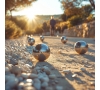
(63, 17)
(73, 11)
(74, 3)
(86, 10)
(66, 4)
(15, 5)
(74, 7)
(92, 2)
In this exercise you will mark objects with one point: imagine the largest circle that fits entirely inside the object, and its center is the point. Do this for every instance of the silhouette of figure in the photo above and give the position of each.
(52, 26)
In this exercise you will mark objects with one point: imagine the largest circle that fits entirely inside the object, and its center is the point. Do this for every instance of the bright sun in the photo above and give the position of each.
(30, 16)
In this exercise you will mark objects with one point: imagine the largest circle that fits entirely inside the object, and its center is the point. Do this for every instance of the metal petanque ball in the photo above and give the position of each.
(81, 47)
(41, 38)
(41, 52)
(64, 39)
(31, 41)
(28, 37)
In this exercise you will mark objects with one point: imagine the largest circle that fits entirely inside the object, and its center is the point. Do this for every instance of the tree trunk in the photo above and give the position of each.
(92, 3)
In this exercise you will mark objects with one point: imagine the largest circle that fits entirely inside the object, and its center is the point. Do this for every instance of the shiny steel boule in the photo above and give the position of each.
(31, 41)
(64, 39)
(81, 47)
(28, 37)
(42, 38)
(41, 52)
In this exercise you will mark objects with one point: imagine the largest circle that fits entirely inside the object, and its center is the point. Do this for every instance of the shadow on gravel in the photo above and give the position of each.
(61, 79)
(89, 57)
(89, 74)
(90, 50)
(74, 55)
(69, 76)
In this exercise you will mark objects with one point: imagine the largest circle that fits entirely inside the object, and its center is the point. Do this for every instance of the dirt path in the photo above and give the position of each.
(68, 59)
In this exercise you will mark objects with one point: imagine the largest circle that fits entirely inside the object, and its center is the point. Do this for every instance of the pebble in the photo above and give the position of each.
(66, 71)
(19, 78)
(74, 75)
(49, 88)
(28, 81)
(32, 75)
(44, 84)
(52, 76)
(7, 71)
(92, 83)
(29, 88)
(59, 51)
(24, 75)
(16, 70)
(59, 87)
(21, 85)
(9, 66)
(37, 84)
(46, 70)
(13, 61)
(11, 83)
(82, 69)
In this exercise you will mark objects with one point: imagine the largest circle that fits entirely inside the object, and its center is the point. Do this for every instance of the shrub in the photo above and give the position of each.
(29, 32)
(12, 30)
(44, 27)
(38, 30)
(58, 28)
(20, 22)
(64, 17)
(74, 20)
(90, 18)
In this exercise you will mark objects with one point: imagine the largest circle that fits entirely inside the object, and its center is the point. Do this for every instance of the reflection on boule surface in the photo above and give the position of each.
(31, 41)
(63, 39)
(28, 37)
(41, 52)
(42, 38)
(81, 47)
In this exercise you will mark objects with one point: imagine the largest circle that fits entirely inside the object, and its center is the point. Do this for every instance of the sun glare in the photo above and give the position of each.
(30, 16)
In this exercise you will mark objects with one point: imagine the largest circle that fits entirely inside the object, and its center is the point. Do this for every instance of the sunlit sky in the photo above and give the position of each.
(42, 7)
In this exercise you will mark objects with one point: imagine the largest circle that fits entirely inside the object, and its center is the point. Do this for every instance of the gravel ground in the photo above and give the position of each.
(72, 71)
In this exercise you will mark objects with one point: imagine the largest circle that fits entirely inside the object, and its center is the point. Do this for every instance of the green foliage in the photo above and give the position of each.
(86, 10)
(74, 20)
(75, 3)
(72, 7)
(12, 30)
(64, 17)
(73, 11)
(66, 4)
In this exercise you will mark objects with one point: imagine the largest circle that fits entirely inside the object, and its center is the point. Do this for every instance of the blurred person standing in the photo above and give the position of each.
(52, 26)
